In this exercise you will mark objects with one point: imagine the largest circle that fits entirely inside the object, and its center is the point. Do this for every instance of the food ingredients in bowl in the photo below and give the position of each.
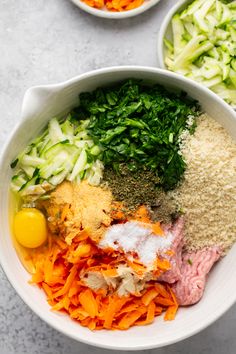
(137, 237)
(134, 188)
(210, 155)
(131, 123)
(141, 126)
(102, 287)
(194, 269)
(30, 227)
(63, 151)
(81, 205)
(114, 5)
(202, 46)
(137, 244)
(109, 287)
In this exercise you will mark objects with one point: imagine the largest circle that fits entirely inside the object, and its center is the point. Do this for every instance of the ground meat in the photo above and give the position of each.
(194, 269)
(188, 270)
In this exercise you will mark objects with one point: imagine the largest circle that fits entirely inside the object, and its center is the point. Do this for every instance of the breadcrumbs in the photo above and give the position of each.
(207, 195)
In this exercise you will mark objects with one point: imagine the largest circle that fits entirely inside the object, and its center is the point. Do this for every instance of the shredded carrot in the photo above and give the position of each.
(81, 236)
(169, 252)
(68, 283)
(142, 214)
(79, 313)
(74, 289)
(150, 313)
(158, 310)
(119, 211)
(65, 211)
(115, 5)
(134, 4)
(110, 313)
(47, 290)
(115, 304)
(162, 301)
(149, 296)
(172, 295)
(162, 290)
(129, 319)
(88, 302)
(57, 271)
(156, 228)
(138, 268)
(92, 324)
(170, 313)
(82, 250)
(109, 272)
(162, 264)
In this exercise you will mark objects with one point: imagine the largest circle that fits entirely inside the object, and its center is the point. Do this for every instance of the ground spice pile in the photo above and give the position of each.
(75, 206)
(135, 188)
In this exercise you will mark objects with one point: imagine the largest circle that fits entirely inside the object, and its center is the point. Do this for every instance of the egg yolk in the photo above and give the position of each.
(30, 227)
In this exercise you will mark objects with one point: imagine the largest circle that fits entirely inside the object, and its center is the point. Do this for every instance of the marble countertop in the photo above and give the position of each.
(46, 42)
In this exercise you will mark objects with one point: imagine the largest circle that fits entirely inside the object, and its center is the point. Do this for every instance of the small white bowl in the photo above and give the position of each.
(166, 31)
(44, 102)
(115, 15)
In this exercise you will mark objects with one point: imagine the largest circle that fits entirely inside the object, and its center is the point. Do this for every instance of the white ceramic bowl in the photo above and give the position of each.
(115, 15)
(166, 31)
(39, 105)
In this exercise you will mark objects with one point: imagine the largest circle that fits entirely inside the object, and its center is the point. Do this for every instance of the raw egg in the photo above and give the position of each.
(30, 227)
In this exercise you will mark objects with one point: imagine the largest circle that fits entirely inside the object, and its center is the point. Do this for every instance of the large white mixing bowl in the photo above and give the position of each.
(42, 103)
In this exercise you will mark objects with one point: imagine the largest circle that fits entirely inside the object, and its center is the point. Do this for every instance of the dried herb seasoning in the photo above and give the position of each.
(135, 188)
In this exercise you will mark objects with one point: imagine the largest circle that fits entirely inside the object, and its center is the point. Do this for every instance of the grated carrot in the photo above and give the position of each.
(138, 268)
(162, 290)
(57, 272)
(89, 303)
(170, 313)
(142, 214)
(109, 272)
(156, 228)
(64, 290)
(118, 210)
(149, 296)
(114, 5)
(162, 264)
(129, 319)
(115, 304)
(164, 302)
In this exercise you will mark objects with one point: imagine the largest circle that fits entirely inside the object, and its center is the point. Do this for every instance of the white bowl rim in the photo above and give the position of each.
(115, 15)
(4, 261)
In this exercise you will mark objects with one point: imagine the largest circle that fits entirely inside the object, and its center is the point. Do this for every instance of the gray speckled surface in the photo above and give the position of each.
(49, 41)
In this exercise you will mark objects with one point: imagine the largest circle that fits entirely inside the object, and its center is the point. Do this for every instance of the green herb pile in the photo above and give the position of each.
(140, 126)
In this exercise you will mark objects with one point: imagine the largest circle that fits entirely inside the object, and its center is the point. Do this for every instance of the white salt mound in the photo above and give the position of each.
(135, 237)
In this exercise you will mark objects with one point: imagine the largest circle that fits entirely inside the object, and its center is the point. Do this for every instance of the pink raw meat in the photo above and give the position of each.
(174, 274)
(194, 269)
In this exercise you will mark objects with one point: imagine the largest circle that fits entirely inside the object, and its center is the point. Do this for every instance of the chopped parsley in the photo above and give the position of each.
(139, 125)
(190, 261)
